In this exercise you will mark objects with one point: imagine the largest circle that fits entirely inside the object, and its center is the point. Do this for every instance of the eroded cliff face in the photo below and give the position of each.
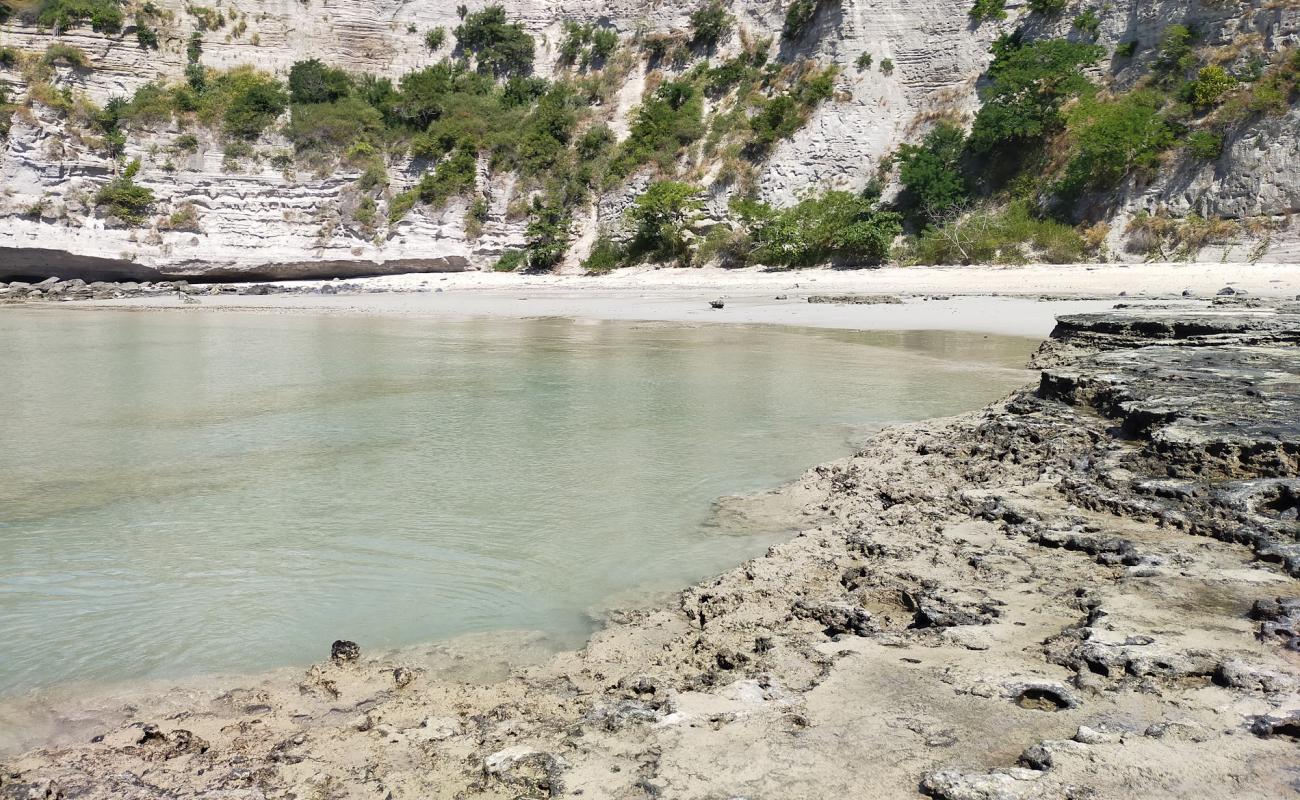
(225, 218)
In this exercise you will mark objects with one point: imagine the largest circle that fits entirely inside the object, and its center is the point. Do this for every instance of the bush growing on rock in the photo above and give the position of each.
(930, 173)
(1010, 235)
(499, 47)
(710, 24)
(1047, 7)
(253, 102)
(988, 9)
(836, 227)
(587, 45)
(105, 16)
(435, 38)
(1112, 138)
(662, 216)
(1205, 145)
(145, 34)
(124, 198)
(668, 120)
(330, 127)
(1027, 85)
(797, 17)
(1211, 84)
(66, 54)
(312, 82)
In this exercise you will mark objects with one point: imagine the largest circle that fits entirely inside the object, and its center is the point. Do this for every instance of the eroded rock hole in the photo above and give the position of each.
(1038, 698)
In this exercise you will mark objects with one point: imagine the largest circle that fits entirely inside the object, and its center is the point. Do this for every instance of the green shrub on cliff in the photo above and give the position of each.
(124, 198)
(105, 16)
(312, 82)
(253, 102)
(330, 127)
(798, 15)
(710, 23)
(1205, 145)
(1028, 82)
(1110, 139)
(931, 173)
(667, 121)
(662, 215)
(988, 9)
(836, 227)
(499, 47)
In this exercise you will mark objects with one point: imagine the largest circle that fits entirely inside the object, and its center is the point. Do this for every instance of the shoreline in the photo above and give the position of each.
(1013, 300)
(1002, 627)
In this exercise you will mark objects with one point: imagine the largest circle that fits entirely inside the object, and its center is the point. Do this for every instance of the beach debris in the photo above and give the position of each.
(716, 304)
(343, 651)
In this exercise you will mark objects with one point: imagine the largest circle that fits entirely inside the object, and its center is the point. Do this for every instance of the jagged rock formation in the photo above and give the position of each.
(1086, 590)
(261, 221)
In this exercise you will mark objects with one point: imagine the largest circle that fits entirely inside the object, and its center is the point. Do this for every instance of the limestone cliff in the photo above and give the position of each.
(221, 217)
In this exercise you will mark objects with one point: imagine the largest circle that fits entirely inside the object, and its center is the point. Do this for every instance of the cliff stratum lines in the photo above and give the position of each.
(286, 139)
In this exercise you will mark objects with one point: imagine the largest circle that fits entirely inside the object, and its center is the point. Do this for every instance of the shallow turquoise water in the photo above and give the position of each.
(190, 493)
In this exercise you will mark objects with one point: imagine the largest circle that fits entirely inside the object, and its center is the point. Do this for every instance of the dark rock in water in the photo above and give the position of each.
(1226, 291)
(716, 304)
(1188, 293)
(343, 651)
(782, 297)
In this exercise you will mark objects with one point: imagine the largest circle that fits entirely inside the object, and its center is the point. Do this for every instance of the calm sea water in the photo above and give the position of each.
(192, 493)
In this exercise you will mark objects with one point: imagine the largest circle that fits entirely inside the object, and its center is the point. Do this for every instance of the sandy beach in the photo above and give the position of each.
(1017, 301)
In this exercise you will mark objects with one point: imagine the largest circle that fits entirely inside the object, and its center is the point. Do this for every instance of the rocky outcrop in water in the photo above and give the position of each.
(1086, 590)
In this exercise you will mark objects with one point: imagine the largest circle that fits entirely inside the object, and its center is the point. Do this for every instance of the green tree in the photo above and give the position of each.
(662, 214)
(1027, 84)
(930, 172)
(500, 48)
(312, 82)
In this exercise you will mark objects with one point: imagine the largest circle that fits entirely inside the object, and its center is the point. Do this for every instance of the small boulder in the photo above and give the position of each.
(344, 651)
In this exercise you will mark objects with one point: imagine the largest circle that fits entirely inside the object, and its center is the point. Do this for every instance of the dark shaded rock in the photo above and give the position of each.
(837, 618)
(344, 651)
(1282, 725)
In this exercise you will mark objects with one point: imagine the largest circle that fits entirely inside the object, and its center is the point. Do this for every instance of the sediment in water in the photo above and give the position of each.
(1084, 590)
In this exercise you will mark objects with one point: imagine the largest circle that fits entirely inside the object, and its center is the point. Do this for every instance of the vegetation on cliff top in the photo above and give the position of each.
(1029, 176)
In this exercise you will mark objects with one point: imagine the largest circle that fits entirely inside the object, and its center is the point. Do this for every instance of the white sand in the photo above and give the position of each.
(1005, 300)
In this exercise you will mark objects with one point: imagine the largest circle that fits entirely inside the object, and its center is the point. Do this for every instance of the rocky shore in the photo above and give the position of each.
(57, 290)
(1087, 590)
